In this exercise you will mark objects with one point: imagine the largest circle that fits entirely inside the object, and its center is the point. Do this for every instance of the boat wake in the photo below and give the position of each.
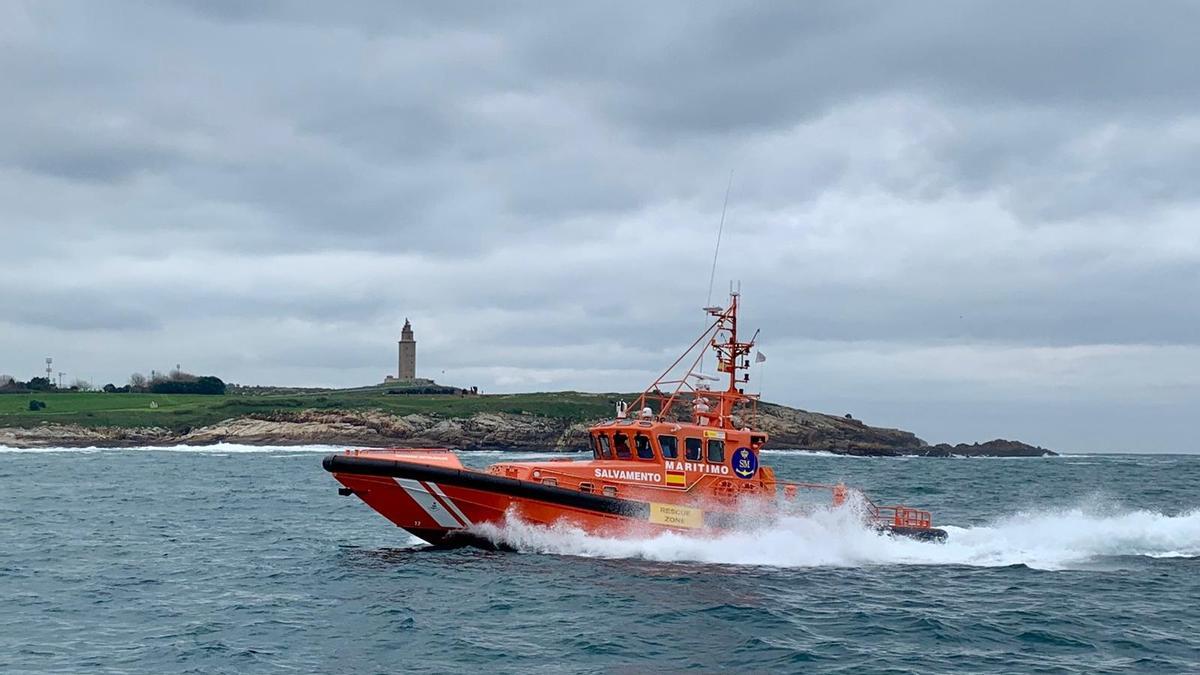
(1048, 540)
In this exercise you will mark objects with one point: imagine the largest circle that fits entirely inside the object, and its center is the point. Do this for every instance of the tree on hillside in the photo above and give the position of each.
(210, 385)
(137, 382)
(39, 384)
(81, 384)
(206, 384)
(6, 380)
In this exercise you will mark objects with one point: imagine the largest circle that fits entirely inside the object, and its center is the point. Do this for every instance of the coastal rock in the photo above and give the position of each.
(75, 436)
(788, 428)
(482, 431)
(310, 427)
(997, 448)
(803, 430)
(574, 438)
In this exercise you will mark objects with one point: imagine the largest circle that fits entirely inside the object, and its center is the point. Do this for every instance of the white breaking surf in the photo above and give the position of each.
(837, 537)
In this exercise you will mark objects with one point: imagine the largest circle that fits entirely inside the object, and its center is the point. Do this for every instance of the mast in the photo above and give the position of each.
(722, 337)
(730, 360)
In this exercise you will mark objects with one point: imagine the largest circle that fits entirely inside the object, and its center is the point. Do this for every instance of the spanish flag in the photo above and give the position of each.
(676, 478)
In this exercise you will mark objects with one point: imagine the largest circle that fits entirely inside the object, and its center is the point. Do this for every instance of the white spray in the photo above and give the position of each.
(837, 537)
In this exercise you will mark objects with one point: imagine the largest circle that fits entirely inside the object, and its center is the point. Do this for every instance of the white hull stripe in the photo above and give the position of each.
(437, 490)
(429, 504)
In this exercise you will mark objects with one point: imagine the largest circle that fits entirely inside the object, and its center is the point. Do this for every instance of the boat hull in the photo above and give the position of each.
(445, 504)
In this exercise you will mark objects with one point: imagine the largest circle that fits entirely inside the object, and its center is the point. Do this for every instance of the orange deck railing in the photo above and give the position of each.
(903, 516)
(888, 516)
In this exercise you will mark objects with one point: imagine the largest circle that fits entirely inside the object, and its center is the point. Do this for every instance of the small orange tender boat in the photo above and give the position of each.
(686, 460)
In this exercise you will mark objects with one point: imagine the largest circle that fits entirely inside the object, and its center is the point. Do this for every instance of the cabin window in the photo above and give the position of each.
(716, 450)
(587, 487)
(669, 446)
(644, 450)
(691, 449)
(605, 450)
(621, 445)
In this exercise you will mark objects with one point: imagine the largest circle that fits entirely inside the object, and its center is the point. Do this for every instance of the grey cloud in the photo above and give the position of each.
(267, 189)
(75, 311)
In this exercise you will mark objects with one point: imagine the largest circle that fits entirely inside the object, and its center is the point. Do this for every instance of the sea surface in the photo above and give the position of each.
(240, 559)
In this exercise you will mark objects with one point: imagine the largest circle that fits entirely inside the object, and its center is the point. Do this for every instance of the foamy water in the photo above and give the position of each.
(837, 537)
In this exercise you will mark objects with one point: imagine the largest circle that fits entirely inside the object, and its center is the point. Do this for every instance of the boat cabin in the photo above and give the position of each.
(648, 441)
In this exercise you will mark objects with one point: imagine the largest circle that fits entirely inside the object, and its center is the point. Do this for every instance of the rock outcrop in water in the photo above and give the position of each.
(77, 436)
(788, 427)
(996, 448)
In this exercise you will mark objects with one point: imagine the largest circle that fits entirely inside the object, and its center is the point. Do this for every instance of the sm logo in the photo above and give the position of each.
(745, 463)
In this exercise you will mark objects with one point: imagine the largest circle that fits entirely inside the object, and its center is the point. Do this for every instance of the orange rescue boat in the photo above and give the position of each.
(683, 458)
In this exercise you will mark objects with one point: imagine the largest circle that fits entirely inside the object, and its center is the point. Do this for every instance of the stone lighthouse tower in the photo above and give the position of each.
(408, 353)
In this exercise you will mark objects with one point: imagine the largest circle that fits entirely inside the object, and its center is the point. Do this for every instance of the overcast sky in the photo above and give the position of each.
(969, 220)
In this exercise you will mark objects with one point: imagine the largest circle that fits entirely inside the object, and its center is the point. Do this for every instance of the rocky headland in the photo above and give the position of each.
(788, 427)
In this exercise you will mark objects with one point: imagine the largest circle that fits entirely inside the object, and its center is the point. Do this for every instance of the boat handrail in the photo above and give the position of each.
(897, 515)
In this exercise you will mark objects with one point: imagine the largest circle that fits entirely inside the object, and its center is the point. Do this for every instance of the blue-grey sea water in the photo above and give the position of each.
(237, 559)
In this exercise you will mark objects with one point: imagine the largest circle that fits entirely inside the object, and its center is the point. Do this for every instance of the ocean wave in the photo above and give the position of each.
(1047, 540)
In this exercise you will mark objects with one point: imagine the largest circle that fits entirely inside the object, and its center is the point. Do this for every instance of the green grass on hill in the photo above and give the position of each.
(179, 411)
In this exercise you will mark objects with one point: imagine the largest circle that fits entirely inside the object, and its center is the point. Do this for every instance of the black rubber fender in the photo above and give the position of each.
(931, 534)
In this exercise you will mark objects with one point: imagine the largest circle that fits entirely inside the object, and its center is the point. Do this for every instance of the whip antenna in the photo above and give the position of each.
(721, 228)
(716, 251)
